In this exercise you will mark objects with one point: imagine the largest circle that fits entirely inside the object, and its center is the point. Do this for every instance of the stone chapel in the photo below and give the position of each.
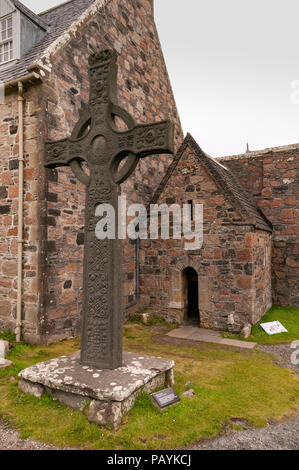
(249, 258)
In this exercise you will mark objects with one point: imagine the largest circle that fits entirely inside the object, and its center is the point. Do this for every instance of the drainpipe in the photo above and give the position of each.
(135, 302)
(29, 78)
(20, 210)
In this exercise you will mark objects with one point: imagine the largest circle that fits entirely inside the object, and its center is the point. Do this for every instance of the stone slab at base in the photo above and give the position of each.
(6, 363)
(106, 395)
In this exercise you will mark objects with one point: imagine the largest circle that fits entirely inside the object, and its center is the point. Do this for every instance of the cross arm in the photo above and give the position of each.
(148, 139)
(66, 153)
(139, 142)
(57, 153)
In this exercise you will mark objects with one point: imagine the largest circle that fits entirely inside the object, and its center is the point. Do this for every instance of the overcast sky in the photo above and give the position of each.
(232, 65)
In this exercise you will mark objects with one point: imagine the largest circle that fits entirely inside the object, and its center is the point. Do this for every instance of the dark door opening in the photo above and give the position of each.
(191, 295)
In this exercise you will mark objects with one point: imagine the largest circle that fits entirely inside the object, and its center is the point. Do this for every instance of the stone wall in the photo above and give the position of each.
(271, 176)
(54, 199)
(9, 188)
(233, 265)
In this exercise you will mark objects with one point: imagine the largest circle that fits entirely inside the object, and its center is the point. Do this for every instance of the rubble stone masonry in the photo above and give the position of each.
(233, 265)
(272, 177)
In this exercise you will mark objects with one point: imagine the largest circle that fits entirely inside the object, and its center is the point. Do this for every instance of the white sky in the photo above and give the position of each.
(231, 65)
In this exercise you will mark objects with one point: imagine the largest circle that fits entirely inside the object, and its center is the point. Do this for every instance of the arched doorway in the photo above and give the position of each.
(190, 285)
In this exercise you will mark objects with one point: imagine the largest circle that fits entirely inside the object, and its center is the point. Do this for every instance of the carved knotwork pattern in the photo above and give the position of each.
(151, 138)
(98, 308)
(57, 152)
(102, 56)
(126, 141)
(99, 92)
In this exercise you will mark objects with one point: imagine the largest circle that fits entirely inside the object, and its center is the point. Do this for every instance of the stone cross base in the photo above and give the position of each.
(106, 395)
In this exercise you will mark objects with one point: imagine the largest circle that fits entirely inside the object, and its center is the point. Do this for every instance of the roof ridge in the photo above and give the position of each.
(43, 60)
(257, 153)
(54, 8)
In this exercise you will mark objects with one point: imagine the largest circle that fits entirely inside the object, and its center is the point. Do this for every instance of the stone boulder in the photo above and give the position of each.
(246, 331)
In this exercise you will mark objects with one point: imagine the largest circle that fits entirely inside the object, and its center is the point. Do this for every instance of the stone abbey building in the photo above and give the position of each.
(249, 257)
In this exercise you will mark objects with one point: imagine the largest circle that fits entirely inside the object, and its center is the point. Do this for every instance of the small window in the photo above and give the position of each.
(6, 50)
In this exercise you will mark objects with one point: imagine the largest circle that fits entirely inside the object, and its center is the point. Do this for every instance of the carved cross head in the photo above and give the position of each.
(97, 141)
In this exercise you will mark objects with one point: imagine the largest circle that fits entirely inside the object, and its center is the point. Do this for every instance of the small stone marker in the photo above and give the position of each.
(4, 351)
(164, 398)
(189, 393)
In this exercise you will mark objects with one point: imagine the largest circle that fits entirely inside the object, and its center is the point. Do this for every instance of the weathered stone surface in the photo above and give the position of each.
(188, 384)
(208, 336)
(146, 317)
(271, 176)
(112, 392)
(189, 393)
(77, 402)
(4, 347)
(103, 413)
(31, 388)
(67, 374)
(246, 331)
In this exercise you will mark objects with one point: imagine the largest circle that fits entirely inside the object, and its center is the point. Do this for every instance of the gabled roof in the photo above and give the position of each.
(225, 180)
(58, 20)
(32, 16)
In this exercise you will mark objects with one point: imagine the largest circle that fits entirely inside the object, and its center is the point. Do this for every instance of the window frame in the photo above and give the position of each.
(9, 40)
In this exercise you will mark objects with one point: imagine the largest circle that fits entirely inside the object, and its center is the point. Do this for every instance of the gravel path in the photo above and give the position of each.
(283, 354)
(282, 436)
(10, 440)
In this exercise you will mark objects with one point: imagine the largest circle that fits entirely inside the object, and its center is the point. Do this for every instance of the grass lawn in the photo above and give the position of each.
(288, 317)
(228, 384)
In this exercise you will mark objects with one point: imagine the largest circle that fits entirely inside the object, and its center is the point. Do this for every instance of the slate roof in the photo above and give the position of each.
(226, 181)
(57, 19)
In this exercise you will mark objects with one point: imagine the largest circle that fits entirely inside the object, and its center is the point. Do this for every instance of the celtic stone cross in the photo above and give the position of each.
(97, 141)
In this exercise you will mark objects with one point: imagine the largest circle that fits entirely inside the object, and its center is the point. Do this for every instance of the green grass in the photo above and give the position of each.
(228, 384)
(288, 317)
(8, 337)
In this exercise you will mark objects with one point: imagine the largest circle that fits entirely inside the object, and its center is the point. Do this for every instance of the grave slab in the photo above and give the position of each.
(208, 336)
(183, 332)
(105, 394)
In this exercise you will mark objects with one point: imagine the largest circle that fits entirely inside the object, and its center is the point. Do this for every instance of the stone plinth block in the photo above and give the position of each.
(105, 394)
